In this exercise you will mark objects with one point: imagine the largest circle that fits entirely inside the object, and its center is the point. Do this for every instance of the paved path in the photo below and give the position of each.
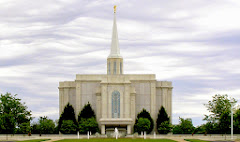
(52, 140)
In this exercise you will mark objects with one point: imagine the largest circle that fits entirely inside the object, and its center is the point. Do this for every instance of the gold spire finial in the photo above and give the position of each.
(115, 8)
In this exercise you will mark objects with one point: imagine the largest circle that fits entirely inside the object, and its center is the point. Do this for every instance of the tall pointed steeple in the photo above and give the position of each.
(114, 60)
(115, 52)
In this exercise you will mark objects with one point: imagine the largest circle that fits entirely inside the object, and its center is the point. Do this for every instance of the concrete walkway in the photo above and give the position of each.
(52, 140)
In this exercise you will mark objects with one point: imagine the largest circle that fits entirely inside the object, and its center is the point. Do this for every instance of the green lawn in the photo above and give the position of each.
(195, 140)
(114, 140)
(37, 140)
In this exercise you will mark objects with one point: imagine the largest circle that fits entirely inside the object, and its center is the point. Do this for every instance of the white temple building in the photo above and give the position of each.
(116, 97)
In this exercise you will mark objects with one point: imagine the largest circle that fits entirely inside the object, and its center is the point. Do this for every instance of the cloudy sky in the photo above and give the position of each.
(195, 44)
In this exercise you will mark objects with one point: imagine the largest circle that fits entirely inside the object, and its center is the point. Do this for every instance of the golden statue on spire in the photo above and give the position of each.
(115, 8)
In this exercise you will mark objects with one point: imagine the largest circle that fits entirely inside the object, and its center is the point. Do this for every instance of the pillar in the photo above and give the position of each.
(61, 99)
(127, 101)
(78, 98)
(128, 129)
(103, 129)
(104, 100)
(153, 100)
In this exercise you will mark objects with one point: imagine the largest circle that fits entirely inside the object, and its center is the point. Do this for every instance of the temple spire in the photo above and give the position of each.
(115, 52)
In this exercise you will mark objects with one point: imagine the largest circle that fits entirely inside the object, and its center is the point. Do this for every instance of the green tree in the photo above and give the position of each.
(164, 128)
(211, 128)
(218, 105)
(24, 128)
(46, 125)
(35, 128)
(87, 120)
(88, 124)
(163, 122)
(87, 112)
(144, 114)
(67, 114)
(13, 113)
(237, 122)
(142, 125)
(68, 127)
(224, 122)
(8, 124)
(185, 126)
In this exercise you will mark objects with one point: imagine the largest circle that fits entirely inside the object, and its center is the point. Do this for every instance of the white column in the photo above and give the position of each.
(133, 106)
(104, 101)
(128, 129)
(66, 97)
(61, 95)
(170, 103)
(98, 103)
(127, 101)
(78, 97)
(103, 129)
(153, 101)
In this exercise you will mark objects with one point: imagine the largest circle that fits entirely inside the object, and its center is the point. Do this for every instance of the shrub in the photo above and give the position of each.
(87, 120)
(68, 127)
(163, 122)
(88, 124)
(143, 124)
(144, 114)
(67, 114)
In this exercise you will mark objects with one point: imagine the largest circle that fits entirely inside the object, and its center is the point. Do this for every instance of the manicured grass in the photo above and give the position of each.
(114, 140)
(195, 140)
(37, 140)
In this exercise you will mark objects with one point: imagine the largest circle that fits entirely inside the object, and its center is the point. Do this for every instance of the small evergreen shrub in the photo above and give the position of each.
(144, 114)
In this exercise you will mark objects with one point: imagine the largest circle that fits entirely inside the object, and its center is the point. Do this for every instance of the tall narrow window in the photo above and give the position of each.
(115, 104)
(120, 67)
(109, 68)
(115, 67)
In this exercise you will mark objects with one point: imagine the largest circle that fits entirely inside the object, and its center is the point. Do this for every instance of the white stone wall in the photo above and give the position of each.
(164, 96)
(72, 97)
(88, 93)
(143, 96)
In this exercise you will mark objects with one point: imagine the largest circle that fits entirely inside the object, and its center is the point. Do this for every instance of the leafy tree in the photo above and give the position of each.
(163, 122)
(88, 124)
(7, 123)
(142, 125)
(87, 120)
(224, 122)
(184, 127)
(200, 129)
(68, 127)
(46, 125)
(35, 128)
(236, 122)
(144, 114)
(211, 128)
(24, 128)
(67, 114)
(87, 112)
(164, 128)
(13, 113)
(218, 105)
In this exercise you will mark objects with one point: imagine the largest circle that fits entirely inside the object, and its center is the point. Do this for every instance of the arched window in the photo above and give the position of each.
(115, 104)
(115, 67)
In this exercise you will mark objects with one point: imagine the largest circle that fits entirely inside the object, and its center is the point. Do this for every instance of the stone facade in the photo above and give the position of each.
(116, 98)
